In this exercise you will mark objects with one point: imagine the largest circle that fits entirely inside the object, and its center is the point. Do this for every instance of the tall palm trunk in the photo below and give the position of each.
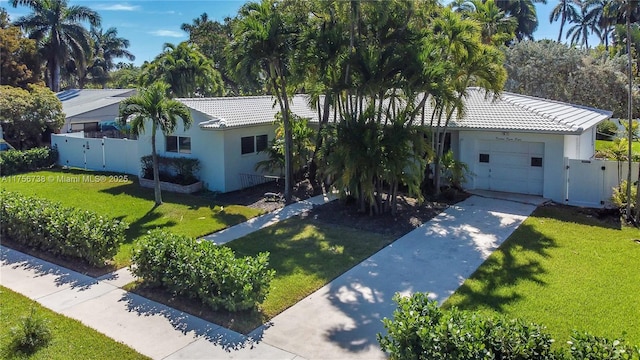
(156, 173)
(564, 19)
(323, 116)
(629, 109)
(288, 140)
(54, 75)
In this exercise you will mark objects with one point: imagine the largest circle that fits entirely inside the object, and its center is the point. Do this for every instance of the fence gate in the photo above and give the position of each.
(590, 182)
(586, 184)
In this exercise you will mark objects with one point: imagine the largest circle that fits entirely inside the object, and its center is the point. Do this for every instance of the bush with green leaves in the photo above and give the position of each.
(31, 334)
(178, 170)
(198, 269)
(585, 346)
(16, 161)
(421, 330)
(60, 231)
(607, 128)
(619, 196)
(454, 172)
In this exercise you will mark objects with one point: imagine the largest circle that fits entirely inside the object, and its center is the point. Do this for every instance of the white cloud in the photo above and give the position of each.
(116, 7)
(167, 33)
(168, 12)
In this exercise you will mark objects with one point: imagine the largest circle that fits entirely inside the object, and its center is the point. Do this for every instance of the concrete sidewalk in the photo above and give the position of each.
(338, 321)
(263, 221)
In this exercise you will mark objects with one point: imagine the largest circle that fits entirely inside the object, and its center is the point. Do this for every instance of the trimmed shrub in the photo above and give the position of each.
(59, 230)
(198, 269)
(421, 330)
(585, 346)
(177, 170)
(15, 161)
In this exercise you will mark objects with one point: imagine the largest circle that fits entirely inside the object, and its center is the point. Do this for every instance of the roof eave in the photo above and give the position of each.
(528, 131)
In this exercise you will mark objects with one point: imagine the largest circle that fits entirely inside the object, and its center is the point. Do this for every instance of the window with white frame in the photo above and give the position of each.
(178, 144)
(253, 144)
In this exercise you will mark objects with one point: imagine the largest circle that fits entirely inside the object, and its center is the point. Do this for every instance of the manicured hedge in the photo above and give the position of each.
(199, 269)
(15, 161)
(177, 170)
(421, 330)
(59, 230)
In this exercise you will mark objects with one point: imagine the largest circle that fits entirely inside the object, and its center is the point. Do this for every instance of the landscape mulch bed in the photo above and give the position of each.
(255, 196)
(410, 215)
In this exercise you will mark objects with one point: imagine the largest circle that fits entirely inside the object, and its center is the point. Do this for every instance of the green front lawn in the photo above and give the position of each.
(565, 270)
(70, 339)
(120, 196)
(306, 255)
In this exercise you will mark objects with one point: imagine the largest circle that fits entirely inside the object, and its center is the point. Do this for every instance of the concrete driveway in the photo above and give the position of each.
(341, 320)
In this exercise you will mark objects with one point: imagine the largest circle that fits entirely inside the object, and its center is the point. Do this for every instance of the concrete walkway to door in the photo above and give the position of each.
(341, 320)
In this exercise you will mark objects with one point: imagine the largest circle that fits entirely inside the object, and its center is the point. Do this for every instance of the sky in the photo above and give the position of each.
(148, 24)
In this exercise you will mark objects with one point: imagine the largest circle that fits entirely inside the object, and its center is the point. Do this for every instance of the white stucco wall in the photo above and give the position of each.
(580, 146)
(235, 162)
(553, 162)
(207, 146)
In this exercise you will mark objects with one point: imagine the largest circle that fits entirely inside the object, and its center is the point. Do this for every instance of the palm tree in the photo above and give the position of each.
(107, 46)
(565, 11)
(187, 71)
(471, 64)
(58, 30)
(496, 26)
(584, 24)
(263, 42)
(602, 12)
(525, 12)
(212, 37)
(151, 105)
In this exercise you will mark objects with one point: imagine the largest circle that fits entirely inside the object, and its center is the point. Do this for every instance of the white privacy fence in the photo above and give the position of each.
(590, 183)
(106, 154)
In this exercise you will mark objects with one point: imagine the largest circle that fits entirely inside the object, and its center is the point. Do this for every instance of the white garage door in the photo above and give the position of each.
(510, 166)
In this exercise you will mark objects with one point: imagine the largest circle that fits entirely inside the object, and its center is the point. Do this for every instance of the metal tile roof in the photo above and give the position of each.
(513, 112)
(227, 112)
(79, 101)
(509, 112)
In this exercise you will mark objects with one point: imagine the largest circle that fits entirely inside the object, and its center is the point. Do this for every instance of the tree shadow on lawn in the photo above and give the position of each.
(192, 201)
(605, 218)
(515, 261)
(142, 225)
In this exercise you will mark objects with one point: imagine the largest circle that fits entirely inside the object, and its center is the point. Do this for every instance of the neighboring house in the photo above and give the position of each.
(85, 108)
(513, 144)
